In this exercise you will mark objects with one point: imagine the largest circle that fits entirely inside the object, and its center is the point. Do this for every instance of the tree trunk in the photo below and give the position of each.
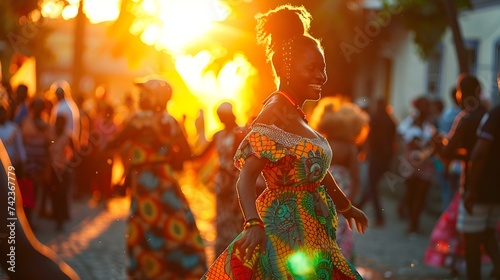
(451, 13)
(78, 49)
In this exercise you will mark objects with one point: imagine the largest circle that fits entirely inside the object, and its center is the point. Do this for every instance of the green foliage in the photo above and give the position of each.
(428, 20)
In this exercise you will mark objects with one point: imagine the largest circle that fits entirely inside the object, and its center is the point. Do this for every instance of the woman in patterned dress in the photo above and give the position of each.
(228, 219)
(290, 230)
(162, 240)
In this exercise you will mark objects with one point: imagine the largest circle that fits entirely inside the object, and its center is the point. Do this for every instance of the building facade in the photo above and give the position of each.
(400, 75)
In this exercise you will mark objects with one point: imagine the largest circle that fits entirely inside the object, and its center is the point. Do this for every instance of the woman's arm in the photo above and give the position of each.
(255, 235)
(344, 206)
(245, 186)
(338, 196)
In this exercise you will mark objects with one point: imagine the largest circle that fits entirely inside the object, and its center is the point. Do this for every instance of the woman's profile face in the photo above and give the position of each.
(308, 72)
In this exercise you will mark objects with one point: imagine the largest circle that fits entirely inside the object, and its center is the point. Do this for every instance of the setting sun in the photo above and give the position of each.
(211, 87)
(171, 25)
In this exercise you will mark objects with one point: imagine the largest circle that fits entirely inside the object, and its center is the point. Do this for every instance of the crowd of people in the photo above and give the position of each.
(51, 140)
(281, 181)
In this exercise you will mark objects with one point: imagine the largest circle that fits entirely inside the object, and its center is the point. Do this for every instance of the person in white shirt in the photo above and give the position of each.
(67, 108)
(417, 134)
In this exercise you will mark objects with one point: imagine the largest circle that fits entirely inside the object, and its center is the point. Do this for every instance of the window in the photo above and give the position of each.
(471, 47)
(496, 68)
(483, 3)
(434, 63)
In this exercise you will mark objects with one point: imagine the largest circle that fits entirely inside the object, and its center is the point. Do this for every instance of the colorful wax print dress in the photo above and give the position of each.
(299, 215)
(163, 241)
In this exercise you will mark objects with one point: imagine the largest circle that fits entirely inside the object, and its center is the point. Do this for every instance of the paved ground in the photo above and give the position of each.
(390, 253)
(93, 243)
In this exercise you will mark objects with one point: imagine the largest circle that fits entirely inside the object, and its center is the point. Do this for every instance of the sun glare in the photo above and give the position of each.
(172, 24)
(211, 87)
(100, 11)
(51, 8)
(95, 10)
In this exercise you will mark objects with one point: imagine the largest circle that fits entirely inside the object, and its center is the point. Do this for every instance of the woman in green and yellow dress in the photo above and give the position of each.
(289, 232)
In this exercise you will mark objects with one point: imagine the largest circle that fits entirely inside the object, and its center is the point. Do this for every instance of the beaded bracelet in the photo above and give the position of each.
(345, 210)
(253, 222)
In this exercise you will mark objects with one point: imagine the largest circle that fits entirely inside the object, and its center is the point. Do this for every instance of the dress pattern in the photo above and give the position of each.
(299, 215)
(163, 241)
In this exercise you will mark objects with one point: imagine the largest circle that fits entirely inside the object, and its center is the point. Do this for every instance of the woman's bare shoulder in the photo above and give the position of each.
(273, 113)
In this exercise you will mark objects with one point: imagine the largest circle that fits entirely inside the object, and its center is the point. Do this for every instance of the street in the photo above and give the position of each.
(93, 243)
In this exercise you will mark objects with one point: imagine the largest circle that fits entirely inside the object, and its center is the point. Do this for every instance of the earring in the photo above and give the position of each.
(287, 58)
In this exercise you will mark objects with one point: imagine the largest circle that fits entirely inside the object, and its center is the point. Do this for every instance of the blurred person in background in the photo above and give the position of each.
(61, 152)
(102, 167)
(449, 180)
(20, 112)
(418, 134)
(65, 106)
(12, 138)
(8, 98)
(458, 145)
(381, 147)
(162, 239)
(83, 171)
(482, 196)
(445, 248)
(345, 129)
(228, 219)
(36, 140)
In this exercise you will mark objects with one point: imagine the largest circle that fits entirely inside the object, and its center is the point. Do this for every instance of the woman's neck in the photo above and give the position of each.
(297, 99)
(293, 103)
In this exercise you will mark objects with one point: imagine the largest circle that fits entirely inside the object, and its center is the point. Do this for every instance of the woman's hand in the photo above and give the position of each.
(359, 217)
(253, 239)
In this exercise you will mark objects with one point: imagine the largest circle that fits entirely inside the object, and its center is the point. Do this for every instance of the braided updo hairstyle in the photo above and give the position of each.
(284, 31)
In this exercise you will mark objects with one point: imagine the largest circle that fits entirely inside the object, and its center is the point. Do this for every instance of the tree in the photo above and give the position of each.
(428, 19)
(451, 13)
